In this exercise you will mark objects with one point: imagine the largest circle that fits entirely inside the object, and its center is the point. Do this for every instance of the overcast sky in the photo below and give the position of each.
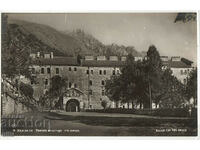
(130, 29)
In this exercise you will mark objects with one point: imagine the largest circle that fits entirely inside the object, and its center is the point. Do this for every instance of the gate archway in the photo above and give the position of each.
(73, 105)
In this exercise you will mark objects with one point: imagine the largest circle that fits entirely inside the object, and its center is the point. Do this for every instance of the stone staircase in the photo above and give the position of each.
(10, 90)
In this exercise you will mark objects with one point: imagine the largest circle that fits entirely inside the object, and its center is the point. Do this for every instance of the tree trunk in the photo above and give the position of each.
(116, 104)
(150, 100)
(140, 104)
(132, 105)
(156, 103)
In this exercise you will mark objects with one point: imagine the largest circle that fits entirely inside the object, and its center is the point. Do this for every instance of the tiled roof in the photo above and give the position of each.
(72, 61)
(103, 63)
(186, 61)
(176, 64)
(56, 61)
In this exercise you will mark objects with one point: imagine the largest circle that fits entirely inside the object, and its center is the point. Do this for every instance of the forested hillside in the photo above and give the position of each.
(71, 43)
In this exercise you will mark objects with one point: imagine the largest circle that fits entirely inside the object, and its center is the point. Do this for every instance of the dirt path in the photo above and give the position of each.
(115, 115)
(104, 124)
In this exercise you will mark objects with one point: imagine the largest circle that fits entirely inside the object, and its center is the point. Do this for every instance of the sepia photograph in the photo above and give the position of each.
(99, 74)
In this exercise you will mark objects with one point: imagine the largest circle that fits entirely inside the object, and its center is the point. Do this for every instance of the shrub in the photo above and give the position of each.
(104, 104)
(26, 89)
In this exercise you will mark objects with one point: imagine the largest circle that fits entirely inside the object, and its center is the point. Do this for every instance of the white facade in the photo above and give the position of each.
(181, 74)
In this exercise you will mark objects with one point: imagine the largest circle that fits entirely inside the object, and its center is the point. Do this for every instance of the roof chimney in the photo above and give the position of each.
(138, 58)
(101, 57)
(113, 58)
(123, 58)
(47, 55)
(89, 57)
(164, 58)
(32, 55)
(176, 58)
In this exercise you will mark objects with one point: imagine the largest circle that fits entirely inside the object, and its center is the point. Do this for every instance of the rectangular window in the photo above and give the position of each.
(104, 72)
(70, 69)
(90, 92)
(70, 84)
(31, 82)
(75, 85)
(185, 71)
(113, 72)
(137, 72)
(75, 68)
(185, 81)
(102, 82)
(33, 70)
(48, 70)
(181, 72)
(42, 70)
(91, 71)
(46, 82)
(100, 72)
(87, 71)
(57, 70)
(103, 93)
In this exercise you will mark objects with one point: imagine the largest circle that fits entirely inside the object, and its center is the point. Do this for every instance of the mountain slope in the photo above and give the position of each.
(72, 43)
(51, 37)
(99, 48)
(21, 40)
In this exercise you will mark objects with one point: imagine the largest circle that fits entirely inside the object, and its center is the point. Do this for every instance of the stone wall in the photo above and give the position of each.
(98, 89)
(88, 80)
(79, 77)
(181, 73)
(10, 106)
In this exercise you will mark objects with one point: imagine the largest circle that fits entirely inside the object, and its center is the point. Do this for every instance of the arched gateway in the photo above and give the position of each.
(73, 100)
(73, 105)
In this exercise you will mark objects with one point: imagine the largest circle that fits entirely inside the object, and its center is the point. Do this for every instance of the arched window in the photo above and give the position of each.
(42, 70)
(90, 82)
(91, 71)
(100, 72)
